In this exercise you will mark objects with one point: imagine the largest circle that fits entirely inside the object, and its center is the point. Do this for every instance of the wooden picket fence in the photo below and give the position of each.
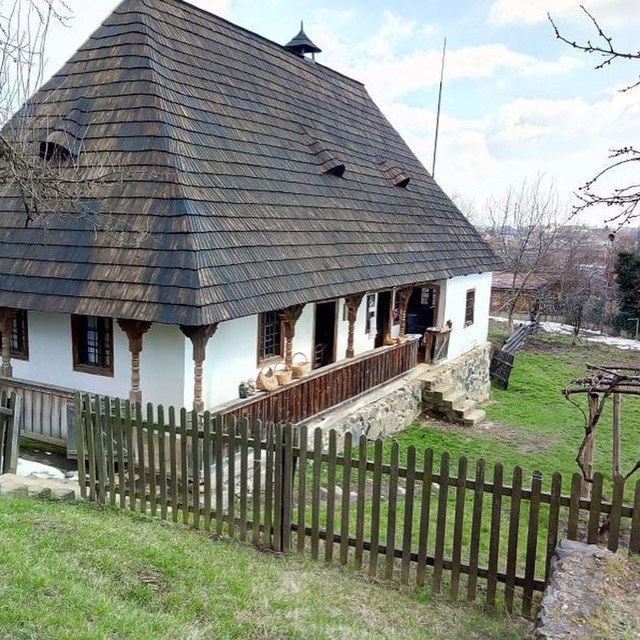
(10, 419)
(461, 531)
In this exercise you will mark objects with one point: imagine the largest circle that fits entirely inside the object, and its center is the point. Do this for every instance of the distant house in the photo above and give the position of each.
(505, 286)
(258, 204)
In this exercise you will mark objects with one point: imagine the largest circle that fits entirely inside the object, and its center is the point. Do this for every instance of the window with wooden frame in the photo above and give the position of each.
(270, 336)
(19, 341)
(469, 307)
(92, 338)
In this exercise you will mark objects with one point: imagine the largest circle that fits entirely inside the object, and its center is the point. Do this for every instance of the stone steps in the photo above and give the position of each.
(451, 404)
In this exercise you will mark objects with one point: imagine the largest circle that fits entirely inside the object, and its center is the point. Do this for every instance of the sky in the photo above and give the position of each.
(517, 103)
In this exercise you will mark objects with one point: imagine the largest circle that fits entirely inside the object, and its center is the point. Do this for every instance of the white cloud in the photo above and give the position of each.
(506, 12)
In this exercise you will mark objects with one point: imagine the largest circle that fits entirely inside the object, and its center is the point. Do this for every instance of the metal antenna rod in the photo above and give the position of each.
(435, 142)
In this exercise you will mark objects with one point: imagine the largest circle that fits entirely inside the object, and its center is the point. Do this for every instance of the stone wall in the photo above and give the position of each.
(468, 372)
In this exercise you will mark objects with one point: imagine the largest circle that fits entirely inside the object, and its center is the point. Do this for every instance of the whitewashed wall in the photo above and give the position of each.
(454, 292)
(51, 361)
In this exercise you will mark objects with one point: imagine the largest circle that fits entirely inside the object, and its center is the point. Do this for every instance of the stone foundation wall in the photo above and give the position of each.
(468, 372)
(385, 416)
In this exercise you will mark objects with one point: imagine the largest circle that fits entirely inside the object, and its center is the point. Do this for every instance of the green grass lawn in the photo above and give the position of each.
(76, 571)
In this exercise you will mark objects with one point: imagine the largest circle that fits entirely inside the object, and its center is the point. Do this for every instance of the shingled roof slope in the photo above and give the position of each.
(218, 207)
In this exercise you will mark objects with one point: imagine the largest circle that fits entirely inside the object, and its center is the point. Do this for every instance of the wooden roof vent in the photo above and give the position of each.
(394, 174)
(301, 44)
(327, 160)
(65, 141)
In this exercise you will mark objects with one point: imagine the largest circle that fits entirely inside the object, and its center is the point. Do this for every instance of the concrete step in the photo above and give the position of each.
(474, 417)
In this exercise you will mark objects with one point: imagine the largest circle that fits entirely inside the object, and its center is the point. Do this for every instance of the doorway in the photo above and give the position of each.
(383, 317)
(324, 342)
(422, 310)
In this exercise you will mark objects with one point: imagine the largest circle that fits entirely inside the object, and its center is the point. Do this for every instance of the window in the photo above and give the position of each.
(269, 336)
(19, 341)
(92, 344)
(468, 311)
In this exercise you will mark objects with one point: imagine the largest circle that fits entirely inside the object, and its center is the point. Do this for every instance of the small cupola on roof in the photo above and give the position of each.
(327, 159)
(301, 44)
(65, 140)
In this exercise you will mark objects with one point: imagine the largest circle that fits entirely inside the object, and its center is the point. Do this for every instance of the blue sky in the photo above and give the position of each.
(517, 102)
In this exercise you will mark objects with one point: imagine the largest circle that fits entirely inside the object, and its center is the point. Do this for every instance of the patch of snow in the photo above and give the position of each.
(37, 469)
(588, 334)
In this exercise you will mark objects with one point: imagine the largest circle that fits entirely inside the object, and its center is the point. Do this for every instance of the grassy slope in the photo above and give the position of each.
(75, 571)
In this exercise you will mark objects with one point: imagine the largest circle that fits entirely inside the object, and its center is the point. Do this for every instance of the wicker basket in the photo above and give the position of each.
(267, 380)
(283, 374)
(300, 369)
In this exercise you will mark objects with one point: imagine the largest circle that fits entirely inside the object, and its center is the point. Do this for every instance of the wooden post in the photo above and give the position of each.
(289, 317)
(6, 324)
(585, 487)
(617, 398)
(404, 295)
(352, 303)
(135, 329)
(199, 336)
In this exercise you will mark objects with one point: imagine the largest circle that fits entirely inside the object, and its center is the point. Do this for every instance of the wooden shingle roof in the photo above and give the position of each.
(218, 206)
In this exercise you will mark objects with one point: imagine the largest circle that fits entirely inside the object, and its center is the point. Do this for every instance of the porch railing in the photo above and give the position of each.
(47, 411)
(328, 387)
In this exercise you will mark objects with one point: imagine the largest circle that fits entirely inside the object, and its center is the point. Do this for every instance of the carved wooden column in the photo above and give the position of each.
(352, 303)
(404, 295)
(199, 336)
(6, 324)
(135, 329)
(289, 317)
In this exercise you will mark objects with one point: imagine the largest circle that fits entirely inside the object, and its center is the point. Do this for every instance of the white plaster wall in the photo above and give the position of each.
(455, 296)
(51, 361)
(303, 340)
(362, 340)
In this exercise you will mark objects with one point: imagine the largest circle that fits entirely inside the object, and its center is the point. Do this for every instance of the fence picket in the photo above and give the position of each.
(101, 457)
(441, 523)
(315, 493)
(391, 510)
(494, 535)
(119, 451)
(634, 540)
(173, 462)
(206, 468)
(184, 465)
(150, 428)
(532, 544)
(90, 424)
(512, 541)
(594, 510)
(218, 456)
(331, 497)
(554, 518)
(81, 430)
(375, 508)
(257, 475)
(244, 474)
(142, 484)
(268, 489)
(407, 531)
(231, 476)
(131, 456)
(456, 557)
(616, 513)
(277, 487)
(346, 497)
(162, 462)
(476, 527)
(360, 504)
(302, 490)
(287, 487)
(574, 507)
(425, 512)
(195, 466)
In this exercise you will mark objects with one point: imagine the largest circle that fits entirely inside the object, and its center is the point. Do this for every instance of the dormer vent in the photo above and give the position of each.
(65, 141)
(301, 44)
(327, 160)
(394, 174)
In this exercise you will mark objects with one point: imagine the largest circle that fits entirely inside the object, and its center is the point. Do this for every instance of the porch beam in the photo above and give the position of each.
(289, 317)
(6, 323)
(352, 303)
(199, 336)
(135, 329)
(404, 295)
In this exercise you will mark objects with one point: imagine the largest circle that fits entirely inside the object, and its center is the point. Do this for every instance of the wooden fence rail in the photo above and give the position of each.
(464, 530)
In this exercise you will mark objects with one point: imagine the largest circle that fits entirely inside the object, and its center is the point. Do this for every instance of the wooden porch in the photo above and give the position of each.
(48, 411)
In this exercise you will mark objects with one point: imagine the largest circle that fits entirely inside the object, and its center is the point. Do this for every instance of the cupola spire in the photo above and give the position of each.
(301, 44)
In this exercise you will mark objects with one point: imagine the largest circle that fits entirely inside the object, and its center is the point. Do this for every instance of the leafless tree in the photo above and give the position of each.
(524, 227)
(623, 199)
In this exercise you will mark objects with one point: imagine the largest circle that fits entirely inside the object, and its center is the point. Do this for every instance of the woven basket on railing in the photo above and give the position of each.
(267, 380)
(284, 374)
(301, 368)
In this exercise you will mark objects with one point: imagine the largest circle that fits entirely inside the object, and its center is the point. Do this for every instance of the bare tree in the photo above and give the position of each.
(625, 198)
(523, 231)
